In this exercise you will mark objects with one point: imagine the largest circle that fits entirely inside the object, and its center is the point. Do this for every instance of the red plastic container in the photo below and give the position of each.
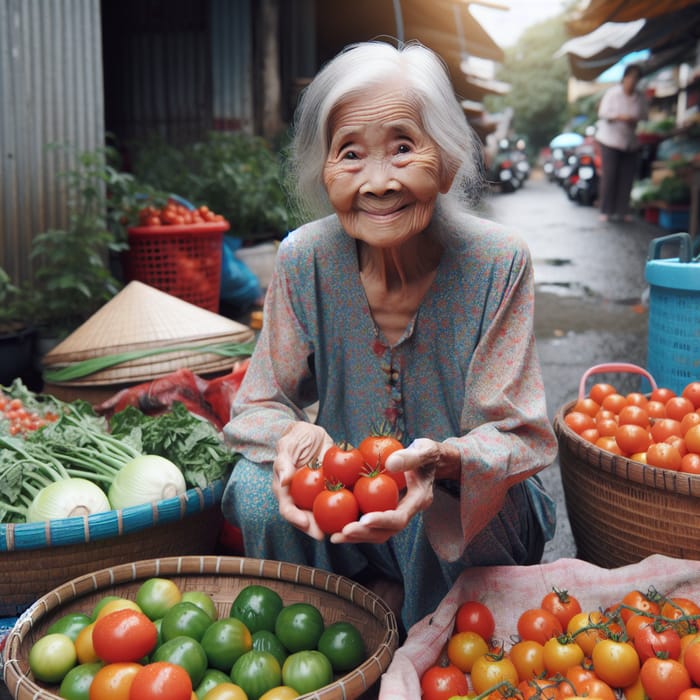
(184, 261)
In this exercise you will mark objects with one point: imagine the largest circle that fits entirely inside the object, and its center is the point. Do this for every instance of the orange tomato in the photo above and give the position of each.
(692, 392)
(600, 390)
(689, 420)
(692, 439)
(665, 427)
(690, 463)
(656, 409)
(614, 402)
(608, 443)
(633, 415)
(636, 398)
(632, 438)
(663, 455)
(579, 421)
(587, 405)
(113, 681)
(678, 406)
(662, 394)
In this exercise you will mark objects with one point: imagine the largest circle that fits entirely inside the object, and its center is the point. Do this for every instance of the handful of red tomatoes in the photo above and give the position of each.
(176, 214)
(348, 482)
(662, 429)
(646, 647)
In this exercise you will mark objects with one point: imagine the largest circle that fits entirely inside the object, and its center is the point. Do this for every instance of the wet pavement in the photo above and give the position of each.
(589, 304)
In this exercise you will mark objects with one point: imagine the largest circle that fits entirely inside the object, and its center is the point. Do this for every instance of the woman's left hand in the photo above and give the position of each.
(421, 461)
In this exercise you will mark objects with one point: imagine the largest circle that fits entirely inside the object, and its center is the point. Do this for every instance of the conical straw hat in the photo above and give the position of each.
(141, 317)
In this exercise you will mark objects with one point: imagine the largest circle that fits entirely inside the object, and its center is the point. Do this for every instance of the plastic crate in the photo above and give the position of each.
(184, 261)
(674, 220)
(673, 353)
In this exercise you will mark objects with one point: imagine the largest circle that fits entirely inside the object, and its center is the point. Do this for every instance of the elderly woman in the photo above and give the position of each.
(398, 308)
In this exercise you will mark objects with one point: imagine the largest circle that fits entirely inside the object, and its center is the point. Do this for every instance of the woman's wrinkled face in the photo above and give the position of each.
(383, 173)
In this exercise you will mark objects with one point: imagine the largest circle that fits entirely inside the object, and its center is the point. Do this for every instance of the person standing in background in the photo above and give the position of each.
(620, 110)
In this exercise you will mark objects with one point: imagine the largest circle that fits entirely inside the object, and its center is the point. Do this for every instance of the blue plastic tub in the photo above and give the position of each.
(673, 354)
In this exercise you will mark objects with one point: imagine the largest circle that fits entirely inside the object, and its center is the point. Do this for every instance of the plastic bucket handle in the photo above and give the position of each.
(684, 247)
(613, 367)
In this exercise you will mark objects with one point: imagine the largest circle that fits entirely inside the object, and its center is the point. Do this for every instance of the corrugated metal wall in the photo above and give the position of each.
(232, 64)
(51, 92)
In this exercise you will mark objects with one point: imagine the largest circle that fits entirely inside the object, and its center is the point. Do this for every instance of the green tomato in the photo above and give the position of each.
(307, 671)
(184, 618)
(257, 607)
(70, 624)
(343, 645)
(202, 600)
(155, 596)
(299, 626)
(186, 652)
(256, 672)
(76, 683)
(212, 678)
(52, 656)
(224, 641)
(264, 640)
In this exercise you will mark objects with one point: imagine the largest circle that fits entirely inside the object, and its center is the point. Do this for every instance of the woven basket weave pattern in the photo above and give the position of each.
(337, 597)
(622, 511)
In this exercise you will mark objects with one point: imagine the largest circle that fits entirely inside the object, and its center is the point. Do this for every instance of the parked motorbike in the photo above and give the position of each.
(511, 167)
(582, 183)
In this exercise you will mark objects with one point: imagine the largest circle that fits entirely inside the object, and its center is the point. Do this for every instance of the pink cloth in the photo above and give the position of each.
(508, 591)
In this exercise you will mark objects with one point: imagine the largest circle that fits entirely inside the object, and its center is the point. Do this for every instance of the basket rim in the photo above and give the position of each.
(100, 526)
(372, 668)
(179, 229)
(679, 483)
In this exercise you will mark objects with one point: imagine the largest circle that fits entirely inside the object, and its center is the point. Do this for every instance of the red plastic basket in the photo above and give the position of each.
(184, 261)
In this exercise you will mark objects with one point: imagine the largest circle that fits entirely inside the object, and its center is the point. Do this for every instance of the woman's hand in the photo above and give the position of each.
(422, 462)
(300, 444)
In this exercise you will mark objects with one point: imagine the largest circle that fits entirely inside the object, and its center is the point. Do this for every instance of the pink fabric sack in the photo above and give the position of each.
(510, 590)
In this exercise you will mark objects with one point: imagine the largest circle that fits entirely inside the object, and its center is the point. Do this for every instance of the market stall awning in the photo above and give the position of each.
(598, 12)
(668, 36)
(446, 26)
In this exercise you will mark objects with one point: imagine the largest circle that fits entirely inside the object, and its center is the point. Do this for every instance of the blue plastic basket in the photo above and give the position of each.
(673, 353)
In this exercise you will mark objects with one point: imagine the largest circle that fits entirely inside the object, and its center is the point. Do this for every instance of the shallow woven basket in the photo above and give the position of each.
(37, 557)
(622, 511)
(337, 598)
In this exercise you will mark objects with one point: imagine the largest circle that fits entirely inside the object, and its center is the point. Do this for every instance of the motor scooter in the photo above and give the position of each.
(583, 181)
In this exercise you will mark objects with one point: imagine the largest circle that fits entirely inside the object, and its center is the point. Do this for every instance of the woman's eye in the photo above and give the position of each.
(350, 155)
(403, 148)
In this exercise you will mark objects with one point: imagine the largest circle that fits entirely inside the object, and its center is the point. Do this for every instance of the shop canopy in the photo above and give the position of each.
(446, 26)
(669, 29)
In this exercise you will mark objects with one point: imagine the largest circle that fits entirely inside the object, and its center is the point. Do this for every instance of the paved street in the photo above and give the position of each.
(589, 301)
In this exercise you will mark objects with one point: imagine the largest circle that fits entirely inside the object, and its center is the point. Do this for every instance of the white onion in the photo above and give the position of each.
(145, 479)
(67, 498)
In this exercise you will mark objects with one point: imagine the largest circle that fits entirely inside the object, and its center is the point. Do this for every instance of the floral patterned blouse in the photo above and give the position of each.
(465, 370)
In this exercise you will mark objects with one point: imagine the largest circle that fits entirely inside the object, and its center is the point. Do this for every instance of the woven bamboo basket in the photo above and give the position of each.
(337, 598)
(620, 510)
(37, 557)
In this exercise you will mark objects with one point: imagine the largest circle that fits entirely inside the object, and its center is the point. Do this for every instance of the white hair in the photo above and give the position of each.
(354, 70)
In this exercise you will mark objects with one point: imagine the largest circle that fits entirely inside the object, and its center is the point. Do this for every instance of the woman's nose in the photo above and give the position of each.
(379, 179)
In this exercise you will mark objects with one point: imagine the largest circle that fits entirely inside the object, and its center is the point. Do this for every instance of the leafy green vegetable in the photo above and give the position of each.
(192, 443)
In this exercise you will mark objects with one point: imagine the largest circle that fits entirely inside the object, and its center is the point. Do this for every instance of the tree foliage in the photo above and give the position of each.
(538, 94)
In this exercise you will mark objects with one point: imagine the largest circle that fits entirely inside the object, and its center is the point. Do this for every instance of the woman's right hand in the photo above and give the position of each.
(300, 444)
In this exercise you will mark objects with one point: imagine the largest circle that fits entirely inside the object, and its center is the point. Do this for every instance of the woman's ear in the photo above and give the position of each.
(449, 171)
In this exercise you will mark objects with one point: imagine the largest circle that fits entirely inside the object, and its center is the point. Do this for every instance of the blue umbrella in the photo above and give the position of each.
(568, 139)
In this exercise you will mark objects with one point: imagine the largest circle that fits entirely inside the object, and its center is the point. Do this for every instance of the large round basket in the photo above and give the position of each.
(337, 597)
(36, 557)
(622, 511)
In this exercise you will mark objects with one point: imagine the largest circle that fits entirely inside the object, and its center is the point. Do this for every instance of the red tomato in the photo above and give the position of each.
(632, 438)
(664, 456)
(308, 481)
(334, 508)
(539, 625)
(633, 415)
(662, 394)
(678, 406)
(562, 605)
(691, 660)
(664, 679)
(579, 421)
(124, 635)
(376, 448)
(161, 680)
(473, 616)
(443, 682)
(665, 427)
(657, 639)
(376, 491)
(600, 390)
(343, 464)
